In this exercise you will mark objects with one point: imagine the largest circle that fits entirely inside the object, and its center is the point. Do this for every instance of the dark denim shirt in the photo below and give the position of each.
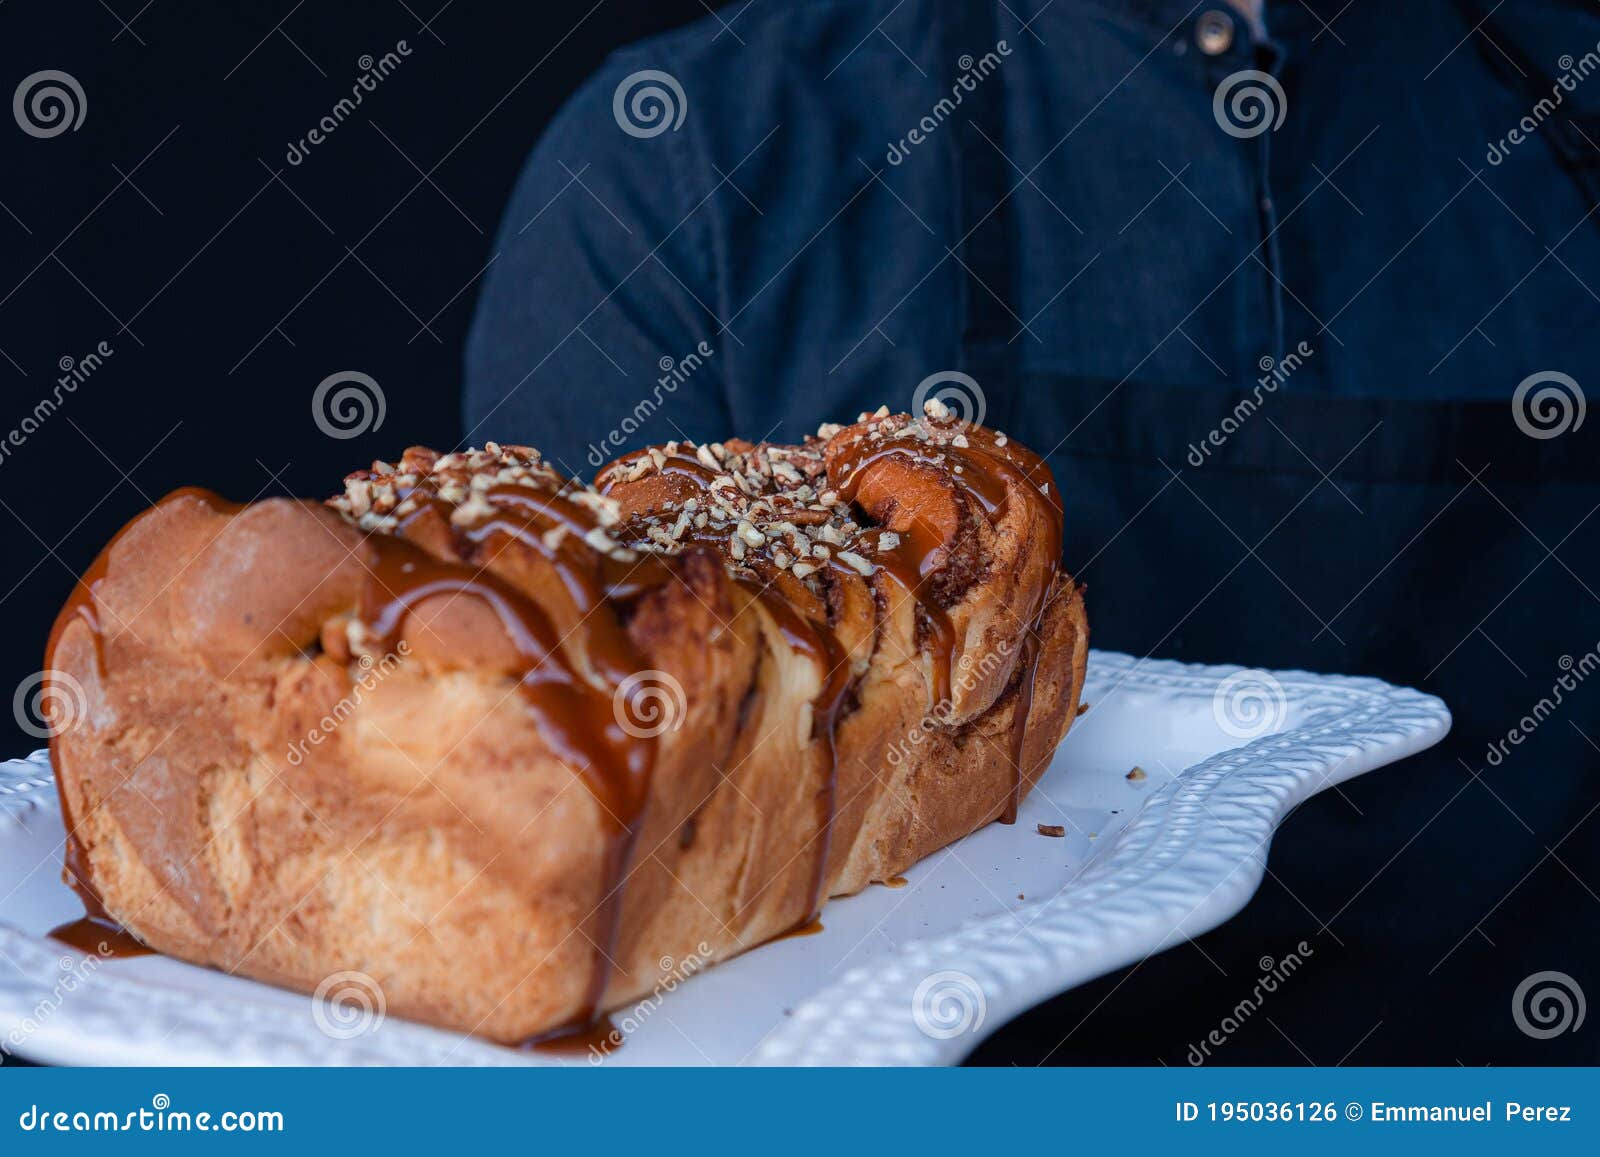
(1413, 238)
(791, 227)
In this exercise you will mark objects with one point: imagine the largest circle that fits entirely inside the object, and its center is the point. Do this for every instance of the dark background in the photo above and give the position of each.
(228, 283)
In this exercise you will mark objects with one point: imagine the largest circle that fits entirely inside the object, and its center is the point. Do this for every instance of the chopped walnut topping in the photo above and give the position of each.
(855, 562)
(358, 636)
(607, 510)
(375, 499)
(474, 510)
(765, 506)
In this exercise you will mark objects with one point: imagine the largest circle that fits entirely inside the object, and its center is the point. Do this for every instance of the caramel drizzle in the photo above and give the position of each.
(96, 936)
(810, 927)
(578, 719)
(820, 644)
(809, 633)
(574, 717)
(1020, 471)
(989, 472)
(921, 554)
(986, 472)
(592, 580)
(595, 1038)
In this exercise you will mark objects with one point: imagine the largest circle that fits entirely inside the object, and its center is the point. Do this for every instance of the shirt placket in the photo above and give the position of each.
(1231, 43)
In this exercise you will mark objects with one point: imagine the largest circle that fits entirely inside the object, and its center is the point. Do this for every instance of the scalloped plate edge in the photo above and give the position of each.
(1191, 859)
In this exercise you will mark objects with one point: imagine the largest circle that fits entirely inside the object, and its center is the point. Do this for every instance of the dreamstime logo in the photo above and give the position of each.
(672, 973)
(74, 372)
(1573, 673)
(75, 972)
(1249, 103)
(947, 1004)
(1548, 404)
(48, 703)
(347, 1005)
(937, 720)
(674, 372)
(649, 703)
(160, 1117)
(1249, 704)
(972, 73)
(1548, 1004)
(648, 103)
(1572, 73)
(348, 404)
(950, 392)
(373, 672)
(1273, 374)
(373, 73)
(1274, 974)
(49, 103)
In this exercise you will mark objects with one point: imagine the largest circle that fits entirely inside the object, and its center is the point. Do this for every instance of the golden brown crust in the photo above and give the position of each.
(291, 767)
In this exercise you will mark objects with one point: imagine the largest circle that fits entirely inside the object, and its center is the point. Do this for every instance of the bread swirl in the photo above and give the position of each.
(511, 745)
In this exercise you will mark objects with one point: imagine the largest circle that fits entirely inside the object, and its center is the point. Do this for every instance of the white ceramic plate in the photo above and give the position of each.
(913, 975)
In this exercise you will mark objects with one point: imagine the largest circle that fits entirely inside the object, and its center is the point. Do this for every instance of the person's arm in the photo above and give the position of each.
(590, 337)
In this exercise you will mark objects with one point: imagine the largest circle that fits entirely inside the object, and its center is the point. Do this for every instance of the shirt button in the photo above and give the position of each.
(1213, 32)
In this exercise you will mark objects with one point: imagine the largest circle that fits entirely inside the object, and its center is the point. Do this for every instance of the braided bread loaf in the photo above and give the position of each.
(504, 742)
